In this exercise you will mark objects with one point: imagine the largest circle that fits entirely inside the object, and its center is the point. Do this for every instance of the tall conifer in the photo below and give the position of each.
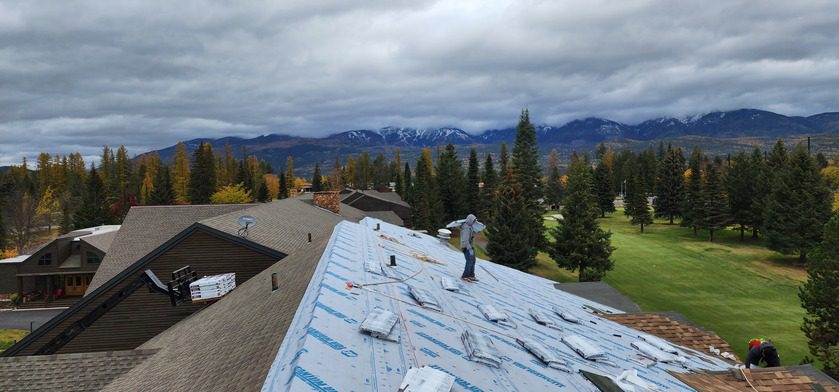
(604, 192)
(317, 184)
(637, 206)
(451, 184)
(473, 180)
(508, 243)
(715, 212)
(670, 185)
(528, 174)
(553, 186)
(692, 207)
(202, 176)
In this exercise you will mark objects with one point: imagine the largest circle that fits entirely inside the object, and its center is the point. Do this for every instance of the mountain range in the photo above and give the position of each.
(742, 123)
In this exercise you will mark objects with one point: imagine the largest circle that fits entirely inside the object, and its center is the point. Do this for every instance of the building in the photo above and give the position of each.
(62, 268)
(296, 325)
(382, 205)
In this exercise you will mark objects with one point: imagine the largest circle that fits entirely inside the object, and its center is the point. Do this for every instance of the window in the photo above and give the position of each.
(78, 280)
(92, 258)
(70, 281)
(45, 259)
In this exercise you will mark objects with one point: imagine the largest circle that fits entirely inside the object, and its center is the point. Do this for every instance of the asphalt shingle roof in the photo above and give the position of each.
(763, 380)
(67, 372)
(228, 346)
(146, 228)
(101, 241)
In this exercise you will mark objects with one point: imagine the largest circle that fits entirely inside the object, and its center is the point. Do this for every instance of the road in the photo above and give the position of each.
(20, 319)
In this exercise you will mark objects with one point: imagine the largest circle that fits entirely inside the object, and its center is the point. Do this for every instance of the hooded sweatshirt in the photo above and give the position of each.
(467, 234)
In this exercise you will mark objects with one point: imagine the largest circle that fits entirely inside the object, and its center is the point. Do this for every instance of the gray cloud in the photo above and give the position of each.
(77, 75)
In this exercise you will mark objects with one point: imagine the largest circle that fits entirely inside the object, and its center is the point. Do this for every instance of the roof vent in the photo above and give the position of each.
(654, 353)
(380, 324)
(492, 314)
(543, 319)
(212, 287)
(449, 284)
(444, 234)
(425, 299)
(426, 379)
(481, 349)
(582, 347)
(545, 354)
(566, 315)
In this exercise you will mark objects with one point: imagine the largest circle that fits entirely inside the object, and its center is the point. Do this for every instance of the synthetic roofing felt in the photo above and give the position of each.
(325, 349)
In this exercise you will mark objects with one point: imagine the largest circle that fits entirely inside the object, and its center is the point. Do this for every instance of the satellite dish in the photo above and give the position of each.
(246, 221)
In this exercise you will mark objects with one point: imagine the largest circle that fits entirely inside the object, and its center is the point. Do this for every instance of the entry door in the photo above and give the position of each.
(75, 284)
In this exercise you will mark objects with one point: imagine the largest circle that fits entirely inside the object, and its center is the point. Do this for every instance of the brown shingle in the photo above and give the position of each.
(763, 380)
(67, 372)
(146, 228)
(673, 331)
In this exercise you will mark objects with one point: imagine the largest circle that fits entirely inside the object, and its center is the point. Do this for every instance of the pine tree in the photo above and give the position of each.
(473, 180)
(761, 187)
(508, 242)
(692, 207)
(106, 171)
(451, 183)
(262, 194)
(180, 174)
(603, 190)
(289, 175)
(637, 206)
(553, 186)
(528, 174)
(93, 211)
(317, 185)
(202, 176)
(283, 193)
(243, 173)
(408, 185)
(818, 298)
(579, 243)
(488, 191)
(670, 185)
(122, 175)
(797, 207)
(162, 193)
(426, 209)
(503, 160)
(715, 213)
(740, 181)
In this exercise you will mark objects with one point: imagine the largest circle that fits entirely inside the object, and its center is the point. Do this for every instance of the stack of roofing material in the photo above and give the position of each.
(426, 379)
(210, 287)
(380, 323)
(544, 354)
(543, 318)
(481, 349)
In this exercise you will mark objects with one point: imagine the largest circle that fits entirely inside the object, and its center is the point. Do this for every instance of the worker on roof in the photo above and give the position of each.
(762, 350)
(467, 245)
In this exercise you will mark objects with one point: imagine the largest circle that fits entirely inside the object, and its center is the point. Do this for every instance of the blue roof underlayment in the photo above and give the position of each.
(325, 351)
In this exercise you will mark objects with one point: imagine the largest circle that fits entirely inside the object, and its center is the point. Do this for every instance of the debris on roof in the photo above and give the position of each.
(455, 337)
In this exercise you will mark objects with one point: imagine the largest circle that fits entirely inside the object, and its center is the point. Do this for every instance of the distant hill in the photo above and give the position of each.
(748, 124)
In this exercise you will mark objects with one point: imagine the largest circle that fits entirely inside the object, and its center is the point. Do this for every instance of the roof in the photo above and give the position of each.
(67, 372)
(780, 379)
(600, 292)
(326, 324)
(228, 346)
(387, 216)
(282, 225)
(147, 227)
(16, 259)
(674, 331)
(391, 197)
(101, 241)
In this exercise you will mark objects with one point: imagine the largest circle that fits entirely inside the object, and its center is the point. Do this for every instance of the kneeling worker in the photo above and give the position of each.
(762, 350)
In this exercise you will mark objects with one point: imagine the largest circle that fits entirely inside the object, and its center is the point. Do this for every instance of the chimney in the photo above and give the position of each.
(328, 200)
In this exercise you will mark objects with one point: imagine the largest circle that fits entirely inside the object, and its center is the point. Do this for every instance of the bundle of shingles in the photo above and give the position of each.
(211, 287)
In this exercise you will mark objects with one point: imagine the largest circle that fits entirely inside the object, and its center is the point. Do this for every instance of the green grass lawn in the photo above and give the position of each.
(8, 337)
(737, 289)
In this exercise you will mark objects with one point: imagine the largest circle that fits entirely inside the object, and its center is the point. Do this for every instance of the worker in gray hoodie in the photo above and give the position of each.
(467, 245)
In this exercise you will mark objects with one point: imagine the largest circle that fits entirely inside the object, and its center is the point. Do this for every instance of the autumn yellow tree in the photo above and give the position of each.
(231, 194)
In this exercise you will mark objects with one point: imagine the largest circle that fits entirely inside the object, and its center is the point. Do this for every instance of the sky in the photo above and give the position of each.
(77, 75)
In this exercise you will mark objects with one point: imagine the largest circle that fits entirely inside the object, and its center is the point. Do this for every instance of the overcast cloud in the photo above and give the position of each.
(75, 75)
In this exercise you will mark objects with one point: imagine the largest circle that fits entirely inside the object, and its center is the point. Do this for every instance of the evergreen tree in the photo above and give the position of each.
(92, 212)
(106, 171)
(262, 194)
(798, 207)
(670, 186)
(553, 185)
(508, 242)
(473, 180)
(426, 209)
(488, 191)
(741, 181)
(202, 175)
(715, 214)
(818, 298)
(408, 184)
(243, 173)
(648, 167)
(317, 185)
(579, 243)
(761, 187)
(637, 206)
(603, 189)
(289, 175)
(451, 183)
(528, 174)
(362, 171)
(180, 173)
(122, 175)
(692, 207)
(283, 193)
(503, 160)
(162, 192)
